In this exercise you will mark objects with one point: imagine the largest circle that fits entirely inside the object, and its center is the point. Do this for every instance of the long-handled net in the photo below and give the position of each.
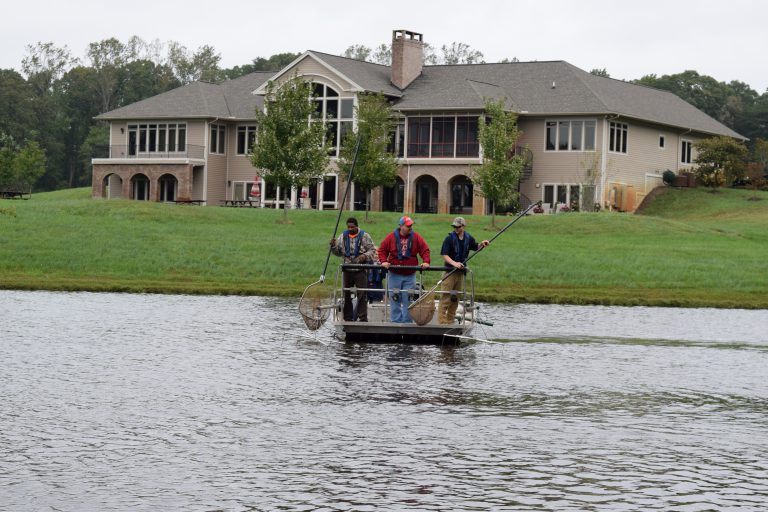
(422, 311)
(316, 302)
(423, 308)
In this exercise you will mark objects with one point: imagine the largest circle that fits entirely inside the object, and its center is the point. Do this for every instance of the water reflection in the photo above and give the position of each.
(142, 402)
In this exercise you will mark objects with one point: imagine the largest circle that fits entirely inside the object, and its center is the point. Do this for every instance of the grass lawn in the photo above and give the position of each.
(691, 247)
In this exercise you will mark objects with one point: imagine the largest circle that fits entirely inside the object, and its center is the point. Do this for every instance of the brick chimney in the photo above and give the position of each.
(407, 57)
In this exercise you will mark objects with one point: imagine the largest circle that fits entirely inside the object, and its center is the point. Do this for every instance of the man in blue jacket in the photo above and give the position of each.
(455, 251)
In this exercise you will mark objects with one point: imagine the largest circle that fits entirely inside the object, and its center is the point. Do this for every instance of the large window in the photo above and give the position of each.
(218, 139)
(686, 150)
(617, 137)
(563, 194)
(335, 113)
(157, 138)
(246, 138)
(570, 135)
(443, 137)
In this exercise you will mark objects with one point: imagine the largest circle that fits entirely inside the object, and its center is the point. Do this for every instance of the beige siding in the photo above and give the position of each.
(311, 69)
(217, 179)
(196, 135)
(118, 138)
(554, 167)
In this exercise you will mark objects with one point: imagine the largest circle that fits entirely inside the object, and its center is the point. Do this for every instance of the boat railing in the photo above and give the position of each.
(467, 293)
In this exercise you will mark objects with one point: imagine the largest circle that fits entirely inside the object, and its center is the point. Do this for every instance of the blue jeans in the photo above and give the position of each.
(398, 285)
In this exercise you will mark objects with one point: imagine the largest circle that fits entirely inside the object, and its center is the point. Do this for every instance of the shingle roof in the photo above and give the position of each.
(529, 88)
(230, 99)
(551, 88)
(371, 77)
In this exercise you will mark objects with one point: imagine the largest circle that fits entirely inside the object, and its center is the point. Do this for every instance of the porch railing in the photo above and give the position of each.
(138, 152)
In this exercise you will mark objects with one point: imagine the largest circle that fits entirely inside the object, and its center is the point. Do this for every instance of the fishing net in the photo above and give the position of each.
(315, 305)
(423, 309)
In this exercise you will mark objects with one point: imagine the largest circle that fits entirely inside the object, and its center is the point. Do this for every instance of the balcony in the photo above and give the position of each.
(123, 152)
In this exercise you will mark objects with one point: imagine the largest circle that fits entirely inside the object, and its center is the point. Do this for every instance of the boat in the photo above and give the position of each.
(425, 330)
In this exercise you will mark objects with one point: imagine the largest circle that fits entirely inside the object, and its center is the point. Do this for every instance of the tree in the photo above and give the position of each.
(20, 167)
(375, 165)
(382, 54)
(461, 53)
(600, 72)
(44, 64)
(720, 160)
(357, 52)
(289, 148)
(17, 114)
(107, 57)
(497, 178)
(201, 65)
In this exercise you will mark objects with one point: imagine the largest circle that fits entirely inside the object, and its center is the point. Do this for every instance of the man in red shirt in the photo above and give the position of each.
(402, 247)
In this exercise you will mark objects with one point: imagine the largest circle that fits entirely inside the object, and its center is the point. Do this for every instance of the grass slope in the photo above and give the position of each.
(689, 248)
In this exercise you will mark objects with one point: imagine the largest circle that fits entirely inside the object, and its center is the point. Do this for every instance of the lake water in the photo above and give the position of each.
(152, 402)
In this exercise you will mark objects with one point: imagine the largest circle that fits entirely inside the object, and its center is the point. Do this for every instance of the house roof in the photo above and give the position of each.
(554, 88)
(229, 100)
(551, 88)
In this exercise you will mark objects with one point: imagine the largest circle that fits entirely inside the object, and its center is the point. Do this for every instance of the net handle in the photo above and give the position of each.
(341, 206)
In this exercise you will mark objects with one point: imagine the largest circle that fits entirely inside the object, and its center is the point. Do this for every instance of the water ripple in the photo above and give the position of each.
(143, 402)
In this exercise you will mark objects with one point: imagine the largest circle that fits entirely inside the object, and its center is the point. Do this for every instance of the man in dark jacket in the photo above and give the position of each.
(402, 247)
(455, 251)
(355, 246)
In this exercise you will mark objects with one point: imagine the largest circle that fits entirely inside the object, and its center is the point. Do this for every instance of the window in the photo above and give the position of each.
(335, 113)
(218, 139)
(443, 137)
(396, 143)
(443, 132)
(685, 152)
(662, 142)
(246, 138)
(618, 138)
(568, 194)
(156, 138)
(467, 141)
(576, 135)
(418, 136)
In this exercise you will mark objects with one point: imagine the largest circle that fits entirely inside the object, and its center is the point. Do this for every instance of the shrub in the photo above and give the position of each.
(668, 177)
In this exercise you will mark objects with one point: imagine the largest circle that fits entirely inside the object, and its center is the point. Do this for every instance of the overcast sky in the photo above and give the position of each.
(725, 40)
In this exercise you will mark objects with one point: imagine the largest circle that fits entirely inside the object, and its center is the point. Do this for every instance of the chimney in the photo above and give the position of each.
(407, 57)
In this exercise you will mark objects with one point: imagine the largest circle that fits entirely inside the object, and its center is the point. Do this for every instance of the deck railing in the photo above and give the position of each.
(138, 152)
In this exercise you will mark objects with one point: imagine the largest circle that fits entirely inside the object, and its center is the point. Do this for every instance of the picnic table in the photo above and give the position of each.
(241, 203)
(197, 202)
(14, 194)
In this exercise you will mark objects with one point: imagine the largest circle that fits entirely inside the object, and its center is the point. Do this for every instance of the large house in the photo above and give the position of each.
(585, 138)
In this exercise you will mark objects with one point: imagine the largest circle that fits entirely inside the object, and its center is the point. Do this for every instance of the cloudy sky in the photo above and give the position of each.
(726, 40)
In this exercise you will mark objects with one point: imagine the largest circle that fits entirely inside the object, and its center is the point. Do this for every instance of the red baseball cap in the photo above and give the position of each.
(406, 221)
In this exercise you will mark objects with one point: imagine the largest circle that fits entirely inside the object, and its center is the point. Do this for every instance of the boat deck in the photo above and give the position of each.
(378, 328)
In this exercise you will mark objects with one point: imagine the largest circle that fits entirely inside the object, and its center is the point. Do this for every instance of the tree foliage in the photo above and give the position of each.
(20, 166)
(498, 176)
(720, 160)
(375, 165)
(290, 151)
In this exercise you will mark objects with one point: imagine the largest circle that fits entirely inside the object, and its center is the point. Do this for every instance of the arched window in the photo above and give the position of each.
(335, 113)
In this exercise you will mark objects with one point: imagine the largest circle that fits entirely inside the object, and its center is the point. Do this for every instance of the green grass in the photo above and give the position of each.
(689, 248)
